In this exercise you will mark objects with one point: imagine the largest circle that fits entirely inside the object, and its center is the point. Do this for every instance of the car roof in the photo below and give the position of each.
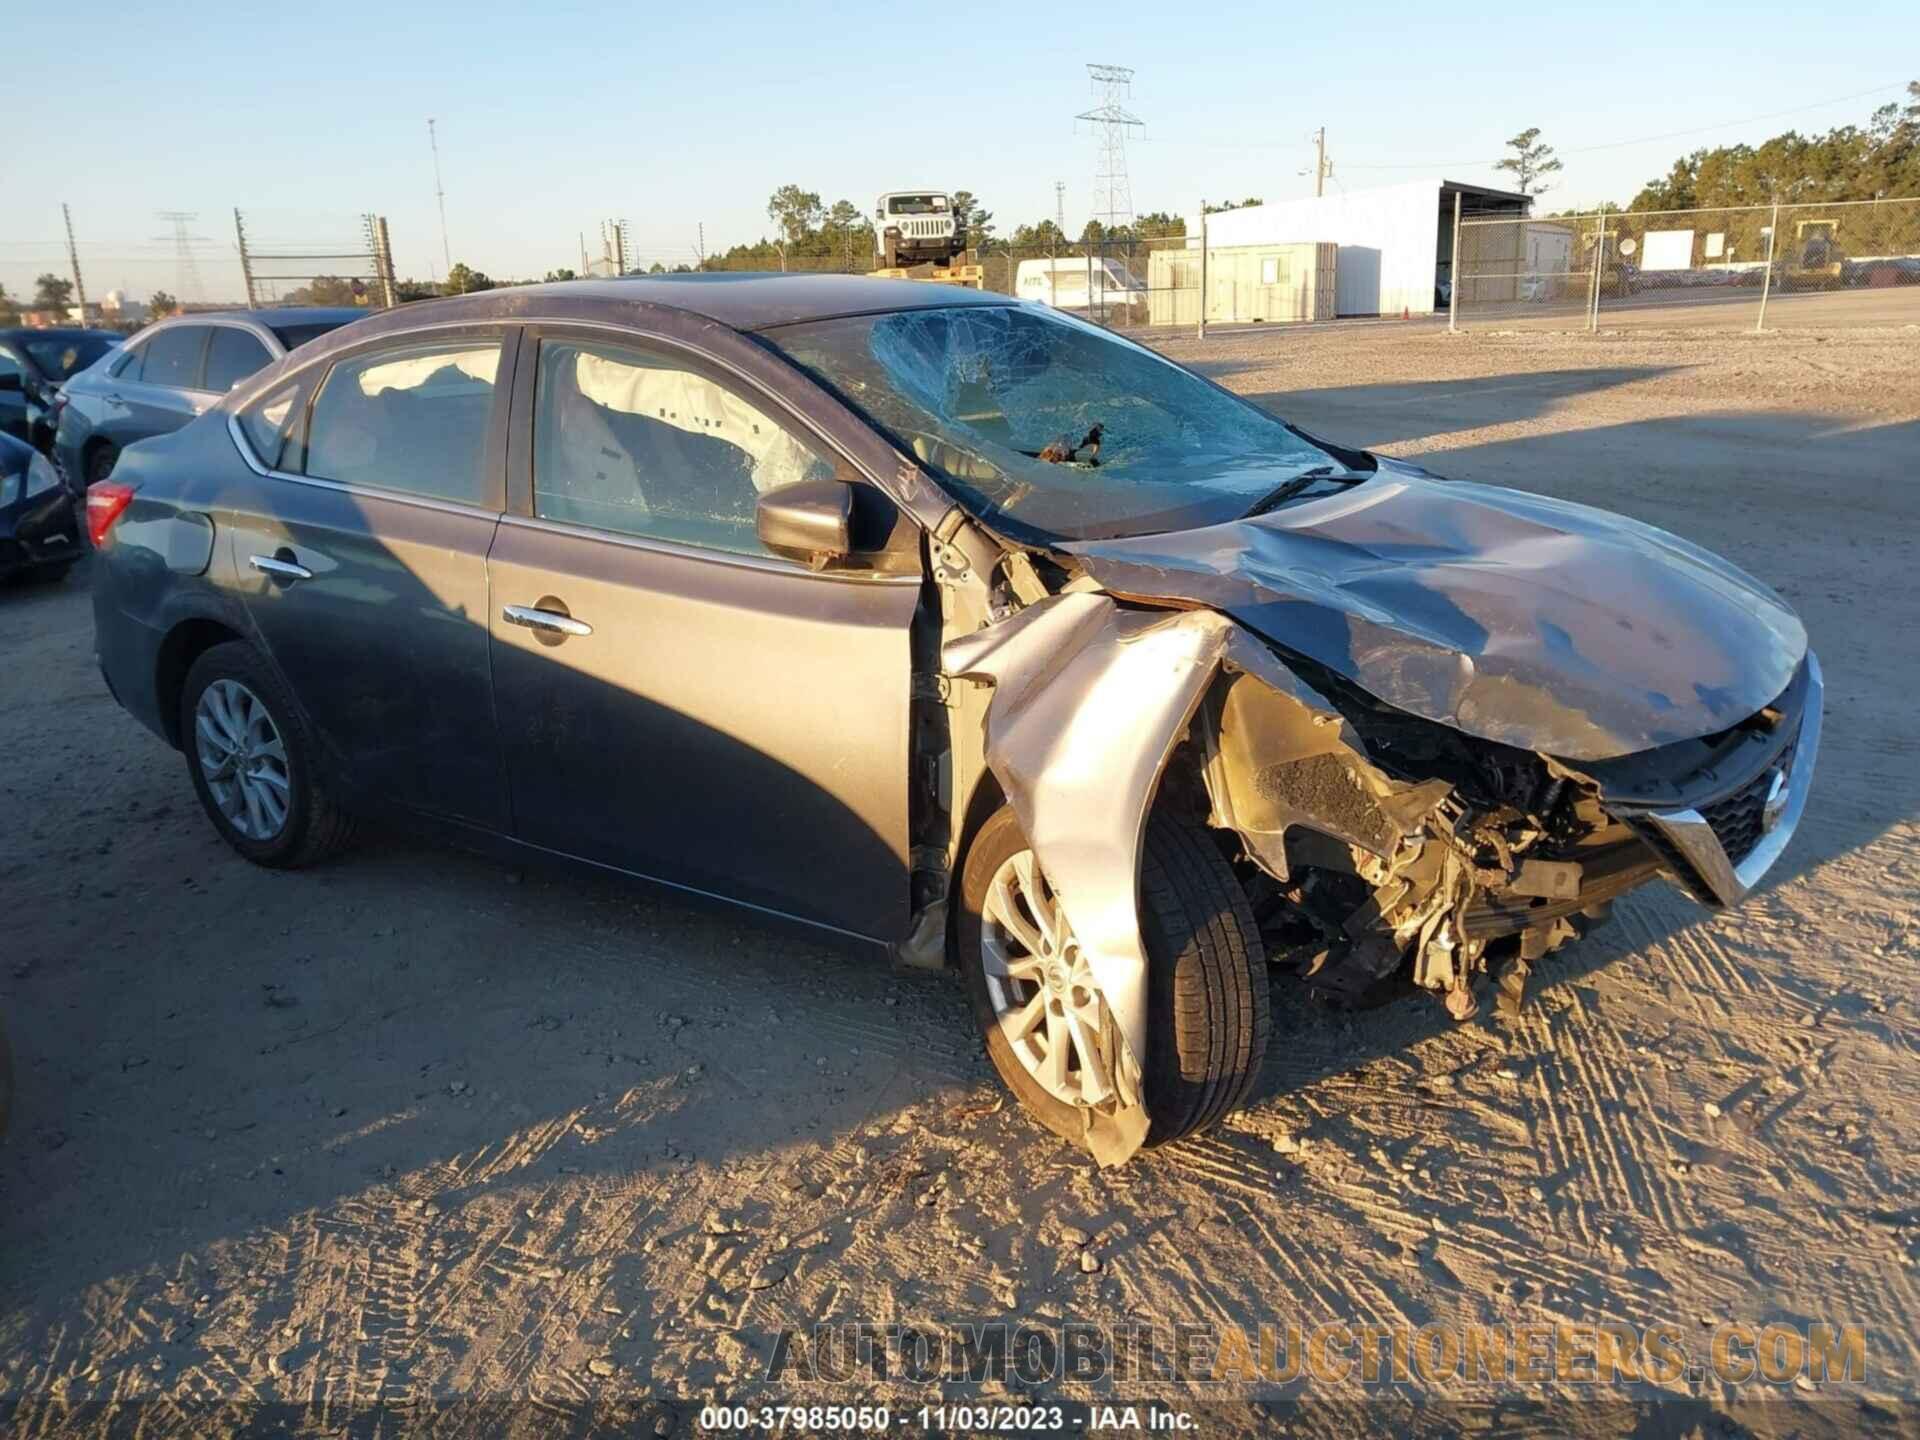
(57, 332)
(738, 300)
(279, 315)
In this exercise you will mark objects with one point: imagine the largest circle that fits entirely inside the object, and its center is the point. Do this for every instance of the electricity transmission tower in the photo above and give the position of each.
(1060, 206)
(1112, 190)
(440, 195)
(186, 277)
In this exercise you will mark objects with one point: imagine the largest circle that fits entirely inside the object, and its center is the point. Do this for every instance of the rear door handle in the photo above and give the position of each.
(283, 569)
(551, 621)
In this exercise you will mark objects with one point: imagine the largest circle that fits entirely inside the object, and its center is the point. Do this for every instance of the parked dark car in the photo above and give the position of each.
(955, 627)
(38, 531)
(169, 373)
(34, 364)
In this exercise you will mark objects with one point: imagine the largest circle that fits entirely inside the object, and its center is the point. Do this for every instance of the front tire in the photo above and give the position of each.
(1207, 1017)
(252, 762)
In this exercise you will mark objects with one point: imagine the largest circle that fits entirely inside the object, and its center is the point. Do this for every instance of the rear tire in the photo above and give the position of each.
(1207, 991)
(313, 826)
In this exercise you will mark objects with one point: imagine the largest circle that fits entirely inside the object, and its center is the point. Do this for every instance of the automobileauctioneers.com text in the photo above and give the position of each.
(1546, 1353)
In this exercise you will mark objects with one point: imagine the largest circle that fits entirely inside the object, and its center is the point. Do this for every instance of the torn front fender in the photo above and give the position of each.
(1090, 699)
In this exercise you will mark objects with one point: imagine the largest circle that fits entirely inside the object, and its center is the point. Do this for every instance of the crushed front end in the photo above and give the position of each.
(1390, 847)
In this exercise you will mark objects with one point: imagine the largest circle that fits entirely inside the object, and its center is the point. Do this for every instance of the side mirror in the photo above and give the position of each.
(11, 383)
(809, 521)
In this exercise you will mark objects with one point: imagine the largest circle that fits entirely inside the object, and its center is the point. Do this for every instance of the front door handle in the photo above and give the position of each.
(280, 569)
(551, 622)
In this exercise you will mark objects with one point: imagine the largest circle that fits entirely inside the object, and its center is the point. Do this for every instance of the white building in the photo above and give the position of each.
(116, 308)
(1395, 243)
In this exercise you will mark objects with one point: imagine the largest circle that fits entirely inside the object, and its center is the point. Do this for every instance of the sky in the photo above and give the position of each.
(676, 119)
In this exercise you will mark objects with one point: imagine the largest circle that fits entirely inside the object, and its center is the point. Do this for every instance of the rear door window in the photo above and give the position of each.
(173, 357)
(410, 417)
(232, 355)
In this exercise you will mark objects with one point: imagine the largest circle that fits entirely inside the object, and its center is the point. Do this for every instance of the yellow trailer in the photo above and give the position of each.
(971, 276)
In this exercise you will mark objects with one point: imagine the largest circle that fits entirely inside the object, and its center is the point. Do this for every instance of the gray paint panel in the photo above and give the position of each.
(738, 727)
(386, 646)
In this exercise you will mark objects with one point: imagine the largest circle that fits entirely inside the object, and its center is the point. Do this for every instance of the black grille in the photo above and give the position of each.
(1736, 820)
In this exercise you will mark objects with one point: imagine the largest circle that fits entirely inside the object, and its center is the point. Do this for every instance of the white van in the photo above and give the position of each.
(1064, 283)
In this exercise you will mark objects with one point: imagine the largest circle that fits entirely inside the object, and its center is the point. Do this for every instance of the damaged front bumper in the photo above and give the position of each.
(1719, 850)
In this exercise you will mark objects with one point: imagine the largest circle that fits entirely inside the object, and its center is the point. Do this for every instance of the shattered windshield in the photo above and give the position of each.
(1050, 427)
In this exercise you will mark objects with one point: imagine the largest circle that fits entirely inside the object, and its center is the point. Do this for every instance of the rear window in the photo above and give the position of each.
(294, 336)
(233, 355)
(63, 357)
(173, 357)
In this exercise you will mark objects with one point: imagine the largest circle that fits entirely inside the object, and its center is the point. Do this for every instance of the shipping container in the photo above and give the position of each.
(1244, 283)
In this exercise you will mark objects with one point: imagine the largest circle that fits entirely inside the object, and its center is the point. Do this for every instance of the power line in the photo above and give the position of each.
(1574, 150)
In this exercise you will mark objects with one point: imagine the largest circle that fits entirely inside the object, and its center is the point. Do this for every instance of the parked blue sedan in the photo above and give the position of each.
(168, 374)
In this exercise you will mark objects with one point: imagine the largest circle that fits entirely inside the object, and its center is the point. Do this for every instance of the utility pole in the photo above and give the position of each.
(440, 195)
(1321, 169)
(246, 260)
(383, 257)
(701, 249)
(73, 259)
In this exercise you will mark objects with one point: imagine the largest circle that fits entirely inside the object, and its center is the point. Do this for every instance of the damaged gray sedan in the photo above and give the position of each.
(959, 628)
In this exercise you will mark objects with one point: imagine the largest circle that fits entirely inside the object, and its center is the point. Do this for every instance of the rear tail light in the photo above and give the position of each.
(105, 501)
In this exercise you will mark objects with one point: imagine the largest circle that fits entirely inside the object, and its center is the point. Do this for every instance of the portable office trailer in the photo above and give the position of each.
(1395, 243)
(1537, 260)
(1244, 282)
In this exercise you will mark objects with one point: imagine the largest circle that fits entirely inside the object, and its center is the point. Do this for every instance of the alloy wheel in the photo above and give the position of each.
(1043, 993)
(243, 759)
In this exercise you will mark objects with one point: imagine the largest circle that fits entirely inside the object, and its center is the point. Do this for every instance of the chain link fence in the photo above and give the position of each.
(1753, 267)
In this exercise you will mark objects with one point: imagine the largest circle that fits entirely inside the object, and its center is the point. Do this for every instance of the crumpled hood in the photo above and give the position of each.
(1536, 623)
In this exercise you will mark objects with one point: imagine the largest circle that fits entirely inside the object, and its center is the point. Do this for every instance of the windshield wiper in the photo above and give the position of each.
(1300, 482)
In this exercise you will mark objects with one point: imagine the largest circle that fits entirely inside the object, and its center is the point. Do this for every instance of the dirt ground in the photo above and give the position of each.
(414, 1126)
